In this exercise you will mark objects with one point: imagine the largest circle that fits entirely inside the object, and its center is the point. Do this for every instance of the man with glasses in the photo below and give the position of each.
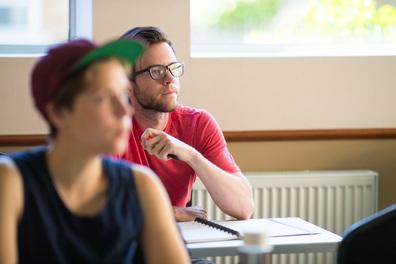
(178, 142)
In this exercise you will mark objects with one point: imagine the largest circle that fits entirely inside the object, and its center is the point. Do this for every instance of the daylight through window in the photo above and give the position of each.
(292, 27)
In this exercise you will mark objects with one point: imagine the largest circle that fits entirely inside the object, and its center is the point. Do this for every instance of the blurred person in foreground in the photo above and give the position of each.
(66, 202)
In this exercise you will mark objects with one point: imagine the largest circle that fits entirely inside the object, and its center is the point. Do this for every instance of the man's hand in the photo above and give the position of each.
(164, 146)
(183, 214)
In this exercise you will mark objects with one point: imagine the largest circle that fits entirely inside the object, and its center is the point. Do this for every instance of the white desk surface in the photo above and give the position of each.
(323, 241)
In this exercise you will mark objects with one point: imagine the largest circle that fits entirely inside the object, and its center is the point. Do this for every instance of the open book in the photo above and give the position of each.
(202, 230)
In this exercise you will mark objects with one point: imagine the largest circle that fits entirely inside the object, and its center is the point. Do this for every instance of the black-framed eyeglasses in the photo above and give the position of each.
(158, 72)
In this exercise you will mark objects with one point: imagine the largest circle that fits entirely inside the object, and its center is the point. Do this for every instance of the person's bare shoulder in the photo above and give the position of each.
(149, 185)
(145, 177)
(142, 170)
(11, 188)
(8, 170)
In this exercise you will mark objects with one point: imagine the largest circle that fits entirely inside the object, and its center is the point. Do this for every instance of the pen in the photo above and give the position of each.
(173, 156)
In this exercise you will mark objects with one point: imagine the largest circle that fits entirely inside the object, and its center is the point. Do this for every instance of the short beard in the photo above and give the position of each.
(149, 103)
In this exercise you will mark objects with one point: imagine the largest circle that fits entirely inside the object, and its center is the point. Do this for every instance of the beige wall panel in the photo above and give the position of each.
(17, 114)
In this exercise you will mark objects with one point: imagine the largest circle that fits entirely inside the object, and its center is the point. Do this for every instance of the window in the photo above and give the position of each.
(30, 26)
(231, 28)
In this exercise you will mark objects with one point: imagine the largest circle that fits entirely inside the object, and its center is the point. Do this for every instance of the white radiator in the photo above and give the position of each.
(330, 199)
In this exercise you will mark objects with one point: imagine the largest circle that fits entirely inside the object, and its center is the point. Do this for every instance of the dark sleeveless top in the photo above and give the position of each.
(49, 233)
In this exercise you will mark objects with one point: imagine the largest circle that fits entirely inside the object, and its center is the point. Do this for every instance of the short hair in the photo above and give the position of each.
(147, 35)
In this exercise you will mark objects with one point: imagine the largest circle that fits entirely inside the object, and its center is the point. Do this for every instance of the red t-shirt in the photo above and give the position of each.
(194, 127)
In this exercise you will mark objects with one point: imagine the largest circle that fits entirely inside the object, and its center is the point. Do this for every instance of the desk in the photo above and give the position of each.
(322, 241)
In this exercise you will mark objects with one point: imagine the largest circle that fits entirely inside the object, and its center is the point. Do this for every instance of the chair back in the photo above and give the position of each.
(370, 240)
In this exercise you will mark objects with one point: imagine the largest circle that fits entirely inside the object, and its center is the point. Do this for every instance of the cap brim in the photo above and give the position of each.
(123, 49)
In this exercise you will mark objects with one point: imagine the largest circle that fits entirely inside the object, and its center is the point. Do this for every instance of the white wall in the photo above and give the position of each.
(242, 93)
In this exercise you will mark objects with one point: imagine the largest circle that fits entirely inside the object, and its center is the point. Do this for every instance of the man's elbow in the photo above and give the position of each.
(245, 212)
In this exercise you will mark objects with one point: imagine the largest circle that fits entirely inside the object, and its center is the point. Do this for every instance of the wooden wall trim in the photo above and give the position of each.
(22, 140)
(244, 136)
(312, 134)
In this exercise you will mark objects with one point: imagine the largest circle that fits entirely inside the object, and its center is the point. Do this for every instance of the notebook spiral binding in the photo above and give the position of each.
(217, 226)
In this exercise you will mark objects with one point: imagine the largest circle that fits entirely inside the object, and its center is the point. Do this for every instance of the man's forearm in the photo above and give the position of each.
(232, 193)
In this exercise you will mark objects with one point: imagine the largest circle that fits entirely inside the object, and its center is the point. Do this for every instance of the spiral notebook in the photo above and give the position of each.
(201, 230)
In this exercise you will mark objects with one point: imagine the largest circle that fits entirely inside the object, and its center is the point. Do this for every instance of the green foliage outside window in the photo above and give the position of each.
(343, 19)
(249, 14)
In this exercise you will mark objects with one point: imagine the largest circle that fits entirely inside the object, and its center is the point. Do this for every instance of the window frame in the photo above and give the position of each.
(80, 26)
